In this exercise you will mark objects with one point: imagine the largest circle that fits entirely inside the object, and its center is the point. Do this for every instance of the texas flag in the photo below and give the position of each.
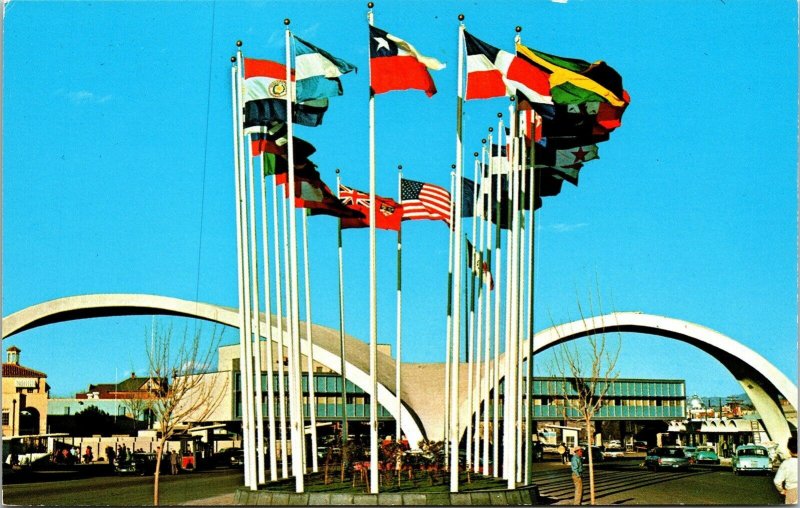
(397, 65)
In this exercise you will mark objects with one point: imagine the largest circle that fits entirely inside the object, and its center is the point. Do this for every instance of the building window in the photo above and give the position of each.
(5, 417)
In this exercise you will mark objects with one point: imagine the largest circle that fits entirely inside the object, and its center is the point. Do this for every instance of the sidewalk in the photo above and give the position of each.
(221, 500)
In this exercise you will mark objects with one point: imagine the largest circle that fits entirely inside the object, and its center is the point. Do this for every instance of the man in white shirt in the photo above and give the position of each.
(786, 477)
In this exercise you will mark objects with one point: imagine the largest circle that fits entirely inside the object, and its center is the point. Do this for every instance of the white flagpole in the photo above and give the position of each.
(476, 392)
(486, 233)
(295, 384)
(281, 328)
(258, 413)
(398, 361)
(458, 268)
(312, 406)
(237, 142)
(531, 295)
(514, 302)
(245, 363)
(497, 288)
(273, 466)
(520, 293)
(373, 298)
(342, 360)
(470, 348)
(449, 332)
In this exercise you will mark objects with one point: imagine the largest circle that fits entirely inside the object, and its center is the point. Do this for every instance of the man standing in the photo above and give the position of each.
(173, 462)
(576, 464)
(786, 477)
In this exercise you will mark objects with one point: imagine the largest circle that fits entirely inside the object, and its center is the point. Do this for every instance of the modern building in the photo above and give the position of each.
(632, 406)
(25, 397)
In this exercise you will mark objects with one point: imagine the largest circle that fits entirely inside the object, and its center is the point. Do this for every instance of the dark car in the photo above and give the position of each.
(597, 455)
(640, 446)
(139, 463)
(227, 457)
(666, 457)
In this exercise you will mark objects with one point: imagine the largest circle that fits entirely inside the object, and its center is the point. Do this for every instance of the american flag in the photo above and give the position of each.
(424, 201)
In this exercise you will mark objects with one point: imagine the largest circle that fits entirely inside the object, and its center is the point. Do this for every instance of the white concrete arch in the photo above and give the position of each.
(326, 341)
(761, 380)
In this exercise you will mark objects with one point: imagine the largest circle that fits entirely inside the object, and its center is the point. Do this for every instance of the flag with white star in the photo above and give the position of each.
(397, 65)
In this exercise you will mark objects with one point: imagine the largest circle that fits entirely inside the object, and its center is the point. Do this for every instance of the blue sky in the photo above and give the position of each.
(118, 172)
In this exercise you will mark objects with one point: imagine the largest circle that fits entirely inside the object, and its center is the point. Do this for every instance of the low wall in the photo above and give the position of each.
(521, 496)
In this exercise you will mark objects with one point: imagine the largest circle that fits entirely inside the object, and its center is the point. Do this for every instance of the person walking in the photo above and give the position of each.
(564, 452)
(576, 464)
(786, 477)
(173, 462)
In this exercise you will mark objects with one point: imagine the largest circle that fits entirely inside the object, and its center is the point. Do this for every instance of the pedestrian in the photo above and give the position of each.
(786, 477)
(725, 449)
(110, 454)
(576, 464)
(87, 455)
(564, 451)
(173, 462)
(123, 454)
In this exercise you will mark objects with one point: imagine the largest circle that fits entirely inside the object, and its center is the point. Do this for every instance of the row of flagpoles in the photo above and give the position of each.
(552, 97)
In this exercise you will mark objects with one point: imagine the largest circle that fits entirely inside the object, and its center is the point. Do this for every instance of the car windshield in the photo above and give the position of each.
(669, 452)
(759, 452)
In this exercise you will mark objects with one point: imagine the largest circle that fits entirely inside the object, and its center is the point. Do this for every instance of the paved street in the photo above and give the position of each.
(620, 481)
(125, 490)
(623, 481)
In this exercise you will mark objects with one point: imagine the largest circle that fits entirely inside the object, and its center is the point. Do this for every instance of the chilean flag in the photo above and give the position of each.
(397, 65)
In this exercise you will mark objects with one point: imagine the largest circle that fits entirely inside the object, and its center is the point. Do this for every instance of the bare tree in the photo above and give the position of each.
(136, 407)
(183, 391)
(585, 376)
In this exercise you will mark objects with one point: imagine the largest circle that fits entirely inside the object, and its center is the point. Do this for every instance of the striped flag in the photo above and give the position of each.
(424, 201)
(479, 266)
(317, 71)
(492, 72)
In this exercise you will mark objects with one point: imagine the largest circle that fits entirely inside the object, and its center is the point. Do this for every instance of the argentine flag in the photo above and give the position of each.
(317, 72)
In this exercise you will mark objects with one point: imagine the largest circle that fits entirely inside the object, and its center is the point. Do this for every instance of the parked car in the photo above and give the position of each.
(666, 457)
(613, 452)
(705, 455)
(597, 454)
(751, 458)
(639, 446)
(690, 451)
(141, 464)
(227, 457)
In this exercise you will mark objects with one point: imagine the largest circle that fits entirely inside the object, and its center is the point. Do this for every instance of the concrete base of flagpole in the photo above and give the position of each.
(338, 494)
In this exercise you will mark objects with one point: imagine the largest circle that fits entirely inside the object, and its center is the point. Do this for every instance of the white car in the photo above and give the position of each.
(614, 452)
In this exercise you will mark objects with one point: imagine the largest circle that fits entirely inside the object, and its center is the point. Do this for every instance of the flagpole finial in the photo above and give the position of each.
(233, 59)
(370, 5)
(483, 141)
(337, 171)
(512, 98)
(238, 44)
(491, 129)
(461, 17)
(452, 166)
(400, 167)
(287, 21)
(475, 154)
(518, 29)
(499, 115)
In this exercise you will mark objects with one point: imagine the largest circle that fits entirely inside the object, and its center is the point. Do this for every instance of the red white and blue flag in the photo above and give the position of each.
(424, 201)
(397, 65)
